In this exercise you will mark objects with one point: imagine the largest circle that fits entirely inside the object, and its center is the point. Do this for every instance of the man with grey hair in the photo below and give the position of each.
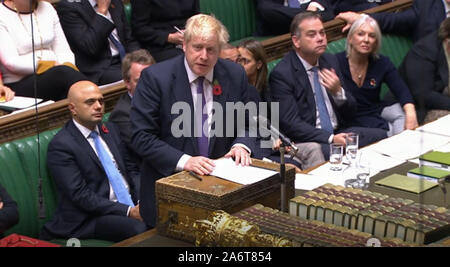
(314, 107)
(200, 81)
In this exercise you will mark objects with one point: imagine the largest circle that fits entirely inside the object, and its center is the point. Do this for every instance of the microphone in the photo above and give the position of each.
(275, 132)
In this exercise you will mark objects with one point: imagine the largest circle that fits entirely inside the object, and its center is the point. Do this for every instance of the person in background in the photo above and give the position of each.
(9, 214)
(93, 174)
(423, 18)
(314, 106)
(159, 24)
(253, 58)
(51, 56)
(229, 52)
(340, 6)
(275, 16)
(365, 70)
(132, 66)
(426, 71)
(99, 35)
(6, 93)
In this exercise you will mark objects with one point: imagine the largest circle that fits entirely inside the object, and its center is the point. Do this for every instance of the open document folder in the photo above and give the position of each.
(227, 169)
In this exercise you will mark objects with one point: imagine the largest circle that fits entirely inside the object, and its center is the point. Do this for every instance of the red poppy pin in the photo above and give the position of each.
(217, 88)
(104, 129)
(373, 82)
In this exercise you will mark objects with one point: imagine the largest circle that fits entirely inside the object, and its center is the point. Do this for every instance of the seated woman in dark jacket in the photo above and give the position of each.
(364, 70)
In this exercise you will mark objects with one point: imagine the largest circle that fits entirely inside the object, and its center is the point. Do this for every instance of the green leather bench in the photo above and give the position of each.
(20, 176)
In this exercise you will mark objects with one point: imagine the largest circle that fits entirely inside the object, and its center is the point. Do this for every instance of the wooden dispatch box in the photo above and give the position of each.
(183, 199)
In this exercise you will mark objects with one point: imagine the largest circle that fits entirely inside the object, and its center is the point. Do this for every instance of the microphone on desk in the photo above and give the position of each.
(275, 132)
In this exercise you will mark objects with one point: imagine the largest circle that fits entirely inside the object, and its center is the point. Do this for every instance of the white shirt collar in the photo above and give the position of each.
(84, 131)
(446, 6)
(192, 76)
(306, 64)
(92, 2)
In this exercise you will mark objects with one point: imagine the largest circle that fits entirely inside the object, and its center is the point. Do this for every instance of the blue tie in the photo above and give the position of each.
(294, 3)
(202, 139)
(118, 45)
(114, 176)
(325, 121)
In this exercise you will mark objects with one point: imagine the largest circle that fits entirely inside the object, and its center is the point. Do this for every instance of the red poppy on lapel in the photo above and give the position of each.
(104, 129)
(217, 88)
(113, 6)
(373, 82)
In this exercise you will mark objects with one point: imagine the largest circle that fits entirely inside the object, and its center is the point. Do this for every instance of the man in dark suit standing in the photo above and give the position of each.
(194, 86)
(425, 70)
(99, 36)
(132, 66)
(89, 164)
(421, 19)
(308, 84)
(154, 22)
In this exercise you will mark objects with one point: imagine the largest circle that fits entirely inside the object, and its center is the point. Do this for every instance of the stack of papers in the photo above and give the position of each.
(440, 126)
(19, 102)
(227, 169)
(409, 144)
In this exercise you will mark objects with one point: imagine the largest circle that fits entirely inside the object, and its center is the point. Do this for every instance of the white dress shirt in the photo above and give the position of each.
(339, 98)
(86, 132)
(114, 50)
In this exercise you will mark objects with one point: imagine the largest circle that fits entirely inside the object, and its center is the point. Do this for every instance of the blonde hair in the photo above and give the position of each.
(365, 19)
(206, 26)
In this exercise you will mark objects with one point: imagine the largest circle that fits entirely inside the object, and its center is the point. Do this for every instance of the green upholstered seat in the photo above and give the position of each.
(272, 64)
(127, 10)
(20, 176)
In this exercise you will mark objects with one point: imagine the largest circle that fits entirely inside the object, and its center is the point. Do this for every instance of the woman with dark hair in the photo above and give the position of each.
(364, 70)
(51, 54)
(253, 58)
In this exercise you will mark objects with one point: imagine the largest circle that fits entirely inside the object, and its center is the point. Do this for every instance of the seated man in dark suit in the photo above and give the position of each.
(425, 70)
(421, 19)
(9, 215)
(95, 179)
(314, 109)
(275, 16)
(132, 65)
(99, 36)
(154, 22)
(177, 89)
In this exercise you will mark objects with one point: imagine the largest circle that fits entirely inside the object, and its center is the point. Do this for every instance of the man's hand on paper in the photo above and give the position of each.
(240, 156)
(200, 165)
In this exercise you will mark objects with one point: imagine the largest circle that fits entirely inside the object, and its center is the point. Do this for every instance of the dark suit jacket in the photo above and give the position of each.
(159, 87)
(9, 215)
(425, 70)
(379, 71)
(153, 20)
(355, 5)
(421, 19)
(82, 183)
(273, 18)
(87, 33)
(291, 87)
(120, 116)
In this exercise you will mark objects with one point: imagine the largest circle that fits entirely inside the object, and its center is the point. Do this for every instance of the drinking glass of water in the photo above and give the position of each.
(351, 147)
(336, 154)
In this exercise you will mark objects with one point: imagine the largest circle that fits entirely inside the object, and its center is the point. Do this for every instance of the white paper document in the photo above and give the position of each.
(440, 126)
(409, 144)
(227, 169)
(377, 161)
(20, 102)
